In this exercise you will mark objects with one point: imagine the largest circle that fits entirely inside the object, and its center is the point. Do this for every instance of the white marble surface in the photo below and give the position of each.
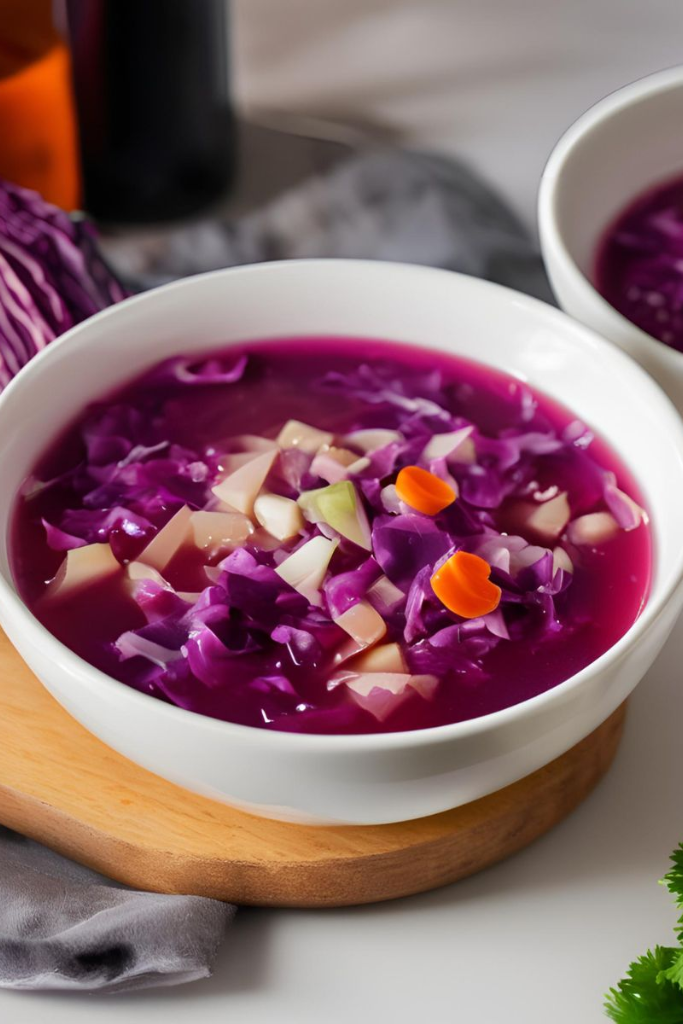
(535, 940)
(538, 939)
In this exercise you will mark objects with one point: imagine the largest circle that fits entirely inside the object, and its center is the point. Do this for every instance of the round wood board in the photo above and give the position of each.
(62, 786)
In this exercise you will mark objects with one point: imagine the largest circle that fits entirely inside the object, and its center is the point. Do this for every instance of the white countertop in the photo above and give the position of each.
(538, 939)
(535, 940)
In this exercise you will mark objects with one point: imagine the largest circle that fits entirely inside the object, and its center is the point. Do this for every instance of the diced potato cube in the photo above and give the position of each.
(81, 568)
(168, 540)
(363, 624)
(593, 529)
(296, 434)
(240, 489)
(549, 519)
(386, 658)
(220, 531)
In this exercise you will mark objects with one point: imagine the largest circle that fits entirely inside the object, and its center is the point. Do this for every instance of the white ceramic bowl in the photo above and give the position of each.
(622, 146)
(370, 778)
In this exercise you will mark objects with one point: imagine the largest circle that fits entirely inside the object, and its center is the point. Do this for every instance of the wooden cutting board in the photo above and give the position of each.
(62, 786)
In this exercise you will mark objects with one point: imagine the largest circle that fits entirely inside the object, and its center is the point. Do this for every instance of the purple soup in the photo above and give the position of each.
(332, 535)
(639, 264)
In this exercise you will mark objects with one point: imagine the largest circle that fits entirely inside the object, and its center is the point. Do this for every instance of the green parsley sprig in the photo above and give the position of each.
(652, 991)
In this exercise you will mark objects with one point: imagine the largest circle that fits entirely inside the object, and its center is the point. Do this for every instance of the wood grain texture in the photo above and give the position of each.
(62, 786)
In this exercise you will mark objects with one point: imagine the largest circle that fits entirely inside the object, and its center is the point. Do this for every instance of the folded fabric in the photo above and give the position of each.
(63, 926)
(402, 206)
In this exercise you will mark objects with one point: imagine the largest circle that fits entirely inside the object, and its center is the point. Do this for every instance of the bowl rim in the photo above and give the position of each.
(550, 186)
(102, 685)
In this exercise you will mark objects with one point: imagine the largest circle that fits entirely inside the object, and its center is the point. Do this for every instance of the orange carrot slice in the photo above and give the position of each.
(424, 491)
(463, 585)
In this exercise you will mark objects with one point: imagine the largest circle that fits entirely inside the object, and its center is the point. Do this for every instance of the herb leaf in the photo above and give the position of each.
(646, 995)
(674, 883)
(652, 991)
(674, 973)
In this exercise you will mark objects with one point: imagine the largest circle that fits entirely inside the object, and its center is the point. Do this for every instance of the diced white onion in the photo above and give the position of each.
(332, 464)
(496, 624)
(380, 693)
(335, 464)
(627, 512)
(526, 556)
(451, 445)
(391, 502)
(561, 560)
(369, 441)
(279, 516)
(549, 519)
(385, 596)
(130, 645)
(305, 569)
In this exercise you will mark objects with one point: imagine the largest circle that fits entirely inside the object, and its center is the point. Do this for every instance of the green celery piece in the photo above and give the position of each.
(338, 505)
(308, 503)
(645, 995)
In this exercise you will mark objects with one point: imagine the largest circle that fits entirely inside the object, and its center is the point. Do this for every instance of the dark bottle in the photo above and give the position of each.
(151, 83)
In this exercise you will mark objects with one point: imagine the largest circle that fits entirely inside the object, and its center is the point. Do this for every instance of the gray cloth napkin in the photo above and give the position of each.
(404, 206)
(63, 926)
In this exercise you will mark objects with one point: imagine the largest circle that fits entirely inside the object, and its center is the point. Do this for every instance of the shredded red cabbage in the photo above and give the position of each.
(224, 632)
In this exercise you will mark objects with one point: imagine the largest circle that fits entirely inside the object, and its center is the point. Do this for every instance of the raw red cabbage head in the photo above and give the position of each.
(51, 276)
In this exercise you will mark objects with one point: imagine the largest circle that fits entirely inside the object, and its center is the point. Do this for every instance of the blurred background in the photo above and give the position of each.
(491, 81)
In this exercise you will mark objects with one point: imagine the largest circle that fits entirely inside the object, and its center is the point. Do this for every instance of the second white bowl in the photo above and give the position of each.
(621, 147)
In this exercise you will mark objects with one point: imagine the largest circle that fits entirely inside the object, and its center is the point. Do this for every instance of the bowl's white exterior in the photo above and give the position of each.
(623, 145)
(350, 779)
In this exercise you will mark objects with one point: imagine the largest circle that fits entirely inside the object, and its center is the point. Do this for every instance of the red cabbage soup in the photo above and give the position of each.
(639, 263)
(332, 535)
